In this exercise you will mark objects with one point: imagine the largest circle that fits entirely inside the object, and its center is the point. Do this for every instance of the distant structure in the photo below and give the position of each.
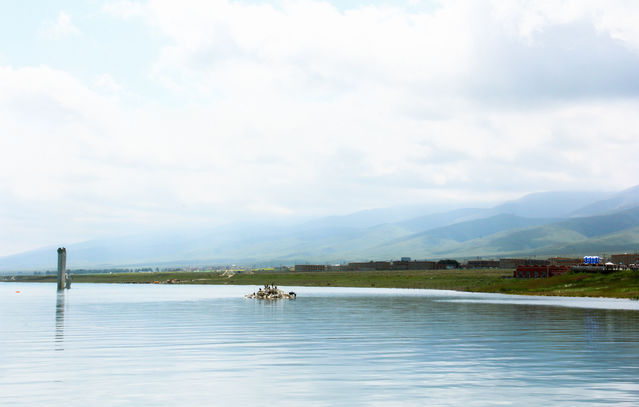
(413, 265)
(592, 260)
(625, 259)
(532, 271)
(380, 265)
(513, 263)
(63, 279)
(368, 266)
(482, 264)
(309, 267)
(565, 261)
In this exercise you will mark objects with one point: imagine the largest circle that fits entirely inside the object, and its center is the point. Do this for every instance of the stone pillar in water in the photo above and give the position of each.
(62, 267)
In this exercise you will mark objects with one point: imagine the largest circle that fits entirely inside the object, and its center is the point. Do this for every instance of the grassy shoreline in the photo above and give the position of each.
(622, 284)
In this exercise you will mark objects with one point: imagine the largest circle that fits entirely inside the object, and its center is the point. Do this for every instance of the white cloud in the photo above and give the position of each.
(61, 27)
(301, 108)
(459, 53)
(616, 18)
(391, 84)
(220, 48)
(108, 84)
(123, 8)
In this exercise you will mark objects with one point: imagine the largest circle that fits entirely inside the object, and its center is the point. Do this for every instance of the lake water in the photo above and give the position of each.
(179, 345)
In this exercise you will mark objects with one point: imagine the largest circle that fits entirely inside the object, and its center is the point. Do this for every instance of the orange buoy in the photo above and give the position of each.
(17, 292)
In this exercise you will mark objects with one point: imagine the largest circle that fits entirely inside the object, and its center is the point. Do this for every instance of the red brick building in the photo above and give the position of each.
(309, 267)
(565, 261)
(539, 271)
(482, 264)
(369, 266)
(414, 265)
(625, 259)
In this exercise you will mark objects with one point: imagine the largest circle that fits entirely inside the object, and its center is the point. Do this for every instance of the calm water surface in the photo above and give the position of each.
(164, 345)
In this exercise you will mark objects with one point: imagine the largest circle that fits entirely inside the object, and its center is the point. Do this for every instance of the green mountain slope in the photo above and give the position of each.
(578, 236)
(450, 239)
(461, 233)
(628, 198)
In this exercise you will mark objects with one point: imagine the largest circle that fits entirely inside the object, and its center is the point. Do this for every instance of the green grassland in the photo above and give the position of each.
(622, 284)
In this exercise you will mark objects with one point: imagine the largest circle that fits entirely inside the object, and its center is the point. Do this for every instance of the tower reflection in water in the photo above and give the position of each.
(59, 321)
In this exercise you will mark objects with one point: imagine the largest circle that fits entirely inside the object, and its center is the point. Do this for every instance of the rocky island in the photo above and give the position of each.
(271, 292)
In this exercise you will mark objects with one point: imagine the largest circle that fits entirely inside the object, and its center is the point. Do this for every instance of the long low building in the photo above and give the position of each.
(482, 264)
(310, 267)
(414, 265)
(368, 266)
(539, 271)
(372, 266)
(512, 263)
(625, 259)
(565, 261)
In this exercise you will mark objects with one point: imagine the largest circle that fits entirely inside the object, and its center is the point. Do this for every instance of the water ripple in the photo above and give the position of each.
(203, 345)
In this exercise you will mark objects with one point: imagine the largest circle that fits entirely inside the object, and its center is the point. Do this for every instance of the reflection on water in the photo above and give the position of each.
(204, 345)
(59, 320)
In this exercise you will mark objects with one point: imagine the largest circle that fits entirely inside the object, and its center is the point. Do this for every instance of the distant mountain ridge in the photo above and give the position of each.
(558, 204)
(626, 199)
(574, 237)
(544, 223)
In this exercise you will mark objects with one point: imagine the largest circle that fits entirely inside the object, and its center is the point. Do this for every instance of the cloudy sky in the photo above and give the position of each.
(128, 115)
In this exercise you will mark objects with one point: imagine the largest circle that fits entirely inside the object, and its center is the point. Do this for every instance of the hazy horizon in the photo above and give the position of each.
(119, 116)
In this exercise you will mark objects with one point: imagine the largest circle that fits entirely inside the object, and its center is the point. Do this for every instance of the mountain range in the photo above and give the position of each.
(570, 223)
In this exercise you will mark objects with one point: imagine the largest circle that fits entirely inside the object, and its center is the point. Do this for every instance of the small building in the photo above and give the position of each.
(447, 264)
(414, 265)
(482, 264)
(309, 267)
(526, 271)
(369, 266)
(625, 259)
(565, 261)
(593, 260)
(512, 263)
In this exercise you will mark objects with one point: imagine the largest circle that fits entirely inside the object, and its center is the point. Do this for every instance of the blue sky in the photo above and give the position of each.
(125, 115)
(97, 43)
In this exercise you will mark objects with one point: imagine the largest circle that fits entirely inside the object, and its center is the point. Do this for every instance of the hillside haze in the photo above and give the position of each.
(548, 223)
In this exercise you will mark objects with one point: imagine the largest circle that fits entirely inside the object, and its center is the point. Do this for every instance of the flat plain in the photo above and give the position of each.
(621, 284)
